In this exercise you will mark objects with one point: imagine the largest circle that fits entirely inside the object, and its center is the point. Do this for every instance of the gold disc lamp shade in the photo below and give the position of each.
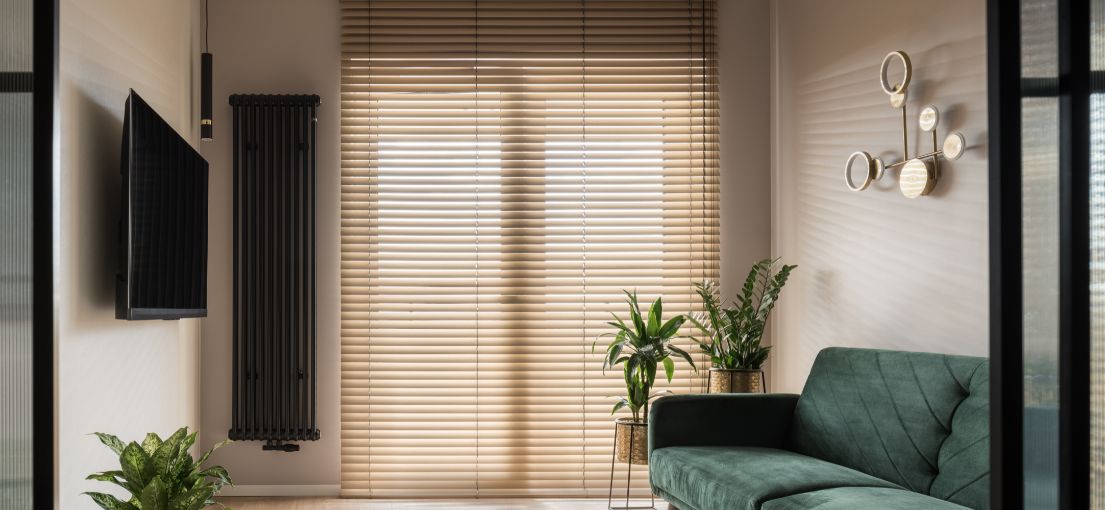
(917, 178)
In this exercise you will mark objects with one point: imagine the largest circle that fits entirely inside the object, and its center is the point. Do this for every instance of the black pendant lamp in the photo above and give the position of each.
(206, 124)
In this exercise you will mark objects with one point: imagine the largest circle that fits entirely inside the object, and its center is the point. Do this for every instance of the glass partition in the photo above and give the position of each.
(17, 262)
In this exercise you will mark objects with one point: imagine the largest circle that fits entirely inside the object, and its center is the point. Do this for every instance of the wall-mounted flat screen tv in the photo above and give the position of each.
(162, 270)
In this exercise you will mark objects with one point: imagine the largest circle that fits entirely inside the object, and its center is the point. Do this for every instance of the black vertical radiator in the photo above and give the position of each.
(274, 379)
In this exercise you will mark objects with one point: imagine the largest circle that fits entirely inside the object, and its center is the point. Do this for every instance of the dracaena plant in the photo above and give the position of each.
(640, 347)
(160, 474)
(732, 336)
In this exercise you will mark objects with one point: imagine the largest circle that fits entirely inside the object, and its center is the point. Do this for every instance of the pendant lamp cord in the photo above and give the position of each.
(206, 27)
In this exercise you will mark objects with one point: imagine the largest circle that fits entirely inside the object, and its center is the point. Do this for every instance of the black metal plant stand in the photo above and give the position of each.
(628, 478)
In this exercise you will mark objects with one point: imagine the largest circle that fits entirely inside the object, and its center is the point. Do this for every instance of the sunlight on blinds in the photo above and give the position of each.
(507, 169)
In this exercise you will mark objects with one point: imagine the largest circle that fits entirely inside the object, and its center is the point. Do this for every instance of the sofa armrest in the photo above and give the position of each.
(737, 419)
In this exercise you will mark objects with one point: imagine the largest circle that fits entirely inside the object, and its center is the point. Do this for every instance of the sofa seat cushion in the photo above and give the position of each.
(852, 498)
(742, 478)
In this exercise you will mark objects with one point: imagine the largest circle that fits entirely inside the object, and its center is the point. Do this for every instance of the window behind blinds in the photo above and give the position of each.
(508, 168)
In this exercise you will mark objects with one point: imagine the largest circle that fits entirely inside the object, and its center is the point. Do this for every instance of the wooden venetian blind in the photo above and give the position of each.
(508, 168)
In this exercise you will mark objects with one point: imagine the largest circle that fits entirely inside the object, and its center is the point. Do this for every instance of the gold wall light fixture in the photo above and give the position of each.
(918, 174)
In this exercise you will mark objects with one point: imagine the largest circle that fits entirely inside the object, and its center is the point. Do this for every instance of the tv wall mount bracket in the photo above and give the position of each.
(919, 173)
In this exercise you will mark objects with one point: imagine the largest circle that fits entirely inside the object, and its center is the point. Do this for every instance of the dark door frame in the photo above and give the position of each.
(44, 162)
(1006, 304)
(1006, 90)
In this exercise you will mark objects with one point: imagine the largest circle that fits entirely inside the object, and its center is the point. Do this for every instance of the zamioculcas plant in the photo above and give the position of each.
(733, 335)
(160, 474)
(640, 347)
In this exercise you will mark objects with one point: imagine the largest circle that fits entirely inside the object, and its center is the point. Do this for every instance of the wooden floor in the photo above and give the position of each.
(431, 504)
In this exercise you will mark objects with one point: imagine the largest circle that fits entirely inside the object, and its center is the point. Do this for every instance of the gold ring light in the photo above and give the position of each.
(918, 174)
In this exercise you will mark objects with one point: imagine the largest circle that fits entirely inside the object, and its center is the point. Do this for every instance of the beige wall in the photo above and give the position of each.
(126, 378)
(745, 86)
(274, 46)
(876, 269)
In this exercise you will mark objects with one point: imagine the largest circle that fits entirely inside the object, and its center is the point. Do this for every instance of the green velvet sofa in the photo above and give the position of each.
(874, 429)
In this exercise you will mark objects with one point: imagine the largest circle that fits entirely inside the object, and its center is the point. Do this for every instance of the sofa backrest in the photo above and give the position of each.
(919, 420)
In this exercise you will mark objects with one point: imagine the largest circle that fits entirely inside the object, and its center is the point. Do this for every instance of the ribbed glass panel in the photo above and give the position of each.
(15, 300)
(15, 254)
(1040, 203)
(15, 36)
(1097, 256)
(507, 169)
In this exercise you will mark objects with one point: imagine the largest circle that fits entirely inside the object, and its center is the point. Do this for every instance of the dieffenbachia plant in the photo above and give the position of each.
(160, 474)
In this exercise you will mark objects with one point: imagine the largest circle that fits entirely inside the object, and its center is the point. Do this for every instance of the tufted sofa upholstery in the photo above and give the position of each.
(871, 429)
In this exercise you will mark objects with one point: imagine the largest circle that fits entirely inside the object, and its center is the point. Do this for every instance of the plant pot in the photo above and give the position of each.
(736, 380)
(631, 441)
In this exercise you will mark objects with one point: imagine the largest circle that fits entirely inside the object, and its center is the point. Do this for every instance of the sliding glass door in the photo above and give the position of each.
(1047, 195)
(27, 52)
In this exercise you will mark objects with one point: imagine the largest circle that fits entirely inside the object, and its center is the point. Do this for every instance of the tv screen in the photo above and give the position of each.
(163, 229)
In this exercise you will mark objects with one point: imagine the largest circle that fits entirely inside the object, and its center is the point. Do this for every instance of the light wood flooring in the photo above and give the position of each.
(429, 504)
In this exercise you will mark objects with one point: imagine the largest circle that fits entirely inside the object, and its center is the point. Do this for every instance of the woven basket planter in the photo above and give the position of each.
(631, 441)
(740, 380)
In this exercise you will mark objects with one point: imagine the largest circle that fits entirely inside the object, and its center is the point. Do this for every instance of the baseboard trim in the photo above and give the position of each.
(280, 490)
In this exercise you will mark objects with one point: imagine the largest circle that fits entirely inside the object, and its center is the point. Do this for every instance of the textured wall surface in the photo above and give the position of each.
(876, 269)
(126, 378)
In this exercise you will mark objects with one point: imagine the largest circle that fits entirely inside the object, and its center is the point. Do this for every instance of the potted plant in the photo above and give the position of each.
(733, 335)
(640, 347)
(160, 474)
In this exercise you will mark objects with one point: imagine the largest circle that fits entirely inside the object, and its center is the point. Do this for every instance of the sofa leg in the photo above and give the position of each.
(672, 507)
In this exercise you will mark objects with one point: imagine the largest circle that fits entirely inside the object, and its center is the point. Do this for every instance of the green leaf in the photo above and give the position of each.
(194, 499)
(620, 323)
(111, 441)
(220, 444)
(654, 313)
(106, 476)
(622, 403)
(114, 477)
(698, 324)
(635, 314)
(164, 458)
(217, 472)
(631, 367)
(109, 502)
(168, 451)
(187, 442)
(150, 443)
(749, 284)
(155, 496)
(683, 354)
(614, 352)
(136, 465)
(672, 326)
(183, 459)
(669, 368)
